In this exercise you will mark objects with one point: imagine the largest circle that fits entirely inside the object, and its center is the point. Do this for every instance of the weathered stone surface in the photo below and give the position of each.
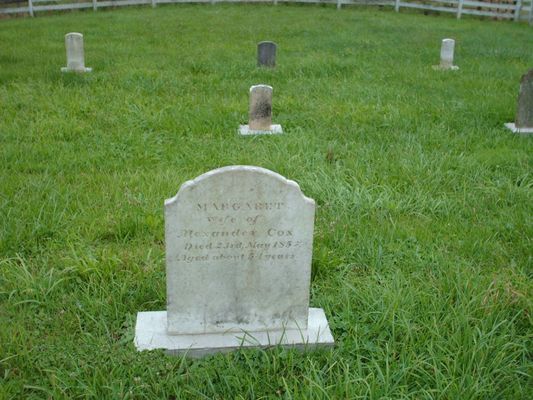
(446, 55)
(260, 115)
(151, 335)
(266, 54)
(239, 245)
(260, 112)
(75, 53)
(524, 114)
(523, 124)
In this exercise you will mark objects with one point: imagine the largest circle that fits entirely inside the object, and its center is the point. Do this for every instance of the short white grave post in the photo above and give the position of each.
(75, 53)
(260, 113)
(446, 55)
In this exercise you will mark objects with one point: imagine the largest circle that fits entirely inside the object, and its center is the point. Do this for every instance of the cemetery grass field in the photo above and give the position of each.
(422, 253)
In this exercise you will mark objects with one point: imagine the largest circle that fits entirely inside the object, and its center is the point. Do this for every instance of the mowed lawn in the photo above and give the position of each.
(422, 253)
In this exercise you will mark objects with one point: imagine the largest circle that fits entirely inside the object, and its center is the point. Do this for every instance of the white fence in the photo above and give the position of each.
(518, 10)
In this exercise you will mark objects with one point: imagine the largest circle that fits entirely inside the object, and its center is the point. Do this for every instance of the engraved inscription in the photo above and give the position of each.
(256, 243)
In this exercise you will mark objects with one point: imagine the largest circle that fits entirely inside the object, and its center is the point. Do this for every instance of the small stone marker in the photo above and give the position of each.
(446, 55)
(75, 53)
(239, 243)
(266, 54)
(524, 115)
(260, 115)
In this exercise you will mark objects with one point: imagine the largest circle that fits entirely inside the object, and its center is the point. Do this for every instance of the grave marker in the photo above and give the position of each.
(446, 55)
(239, 243)
(524, 115)
(75, 53)
(260, 113)
(266, 54)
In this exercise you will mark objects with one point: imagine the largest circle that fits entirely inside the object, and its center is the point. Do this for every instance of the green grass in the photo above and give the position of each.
(423, 237)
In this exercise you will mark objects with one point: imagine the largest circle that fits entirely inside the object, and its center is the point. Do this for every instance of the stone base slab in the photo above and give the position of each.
(80, 71)
(151, 334)
(520, 131)
(274, 129)
(451, 68)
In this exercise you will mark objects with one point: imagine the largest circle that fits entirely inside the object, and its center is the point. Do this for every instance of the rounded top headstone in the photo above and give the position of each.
(266, 54)
(239, 244)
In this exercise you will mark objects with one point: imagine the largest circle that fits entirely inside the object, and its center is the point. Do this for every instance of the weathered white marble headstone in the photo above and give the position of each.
(524, 115)
(260, 114)
(75, 53)
(239, 245)
(446, 55)
(266, 54)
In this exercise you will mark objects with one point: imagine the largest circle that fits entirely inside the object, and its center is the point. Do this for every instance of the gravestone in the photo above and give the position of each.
(239, 243)
(266, 54)
(75, 53)
(524, 115)
(260, 113)
(446, 55)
